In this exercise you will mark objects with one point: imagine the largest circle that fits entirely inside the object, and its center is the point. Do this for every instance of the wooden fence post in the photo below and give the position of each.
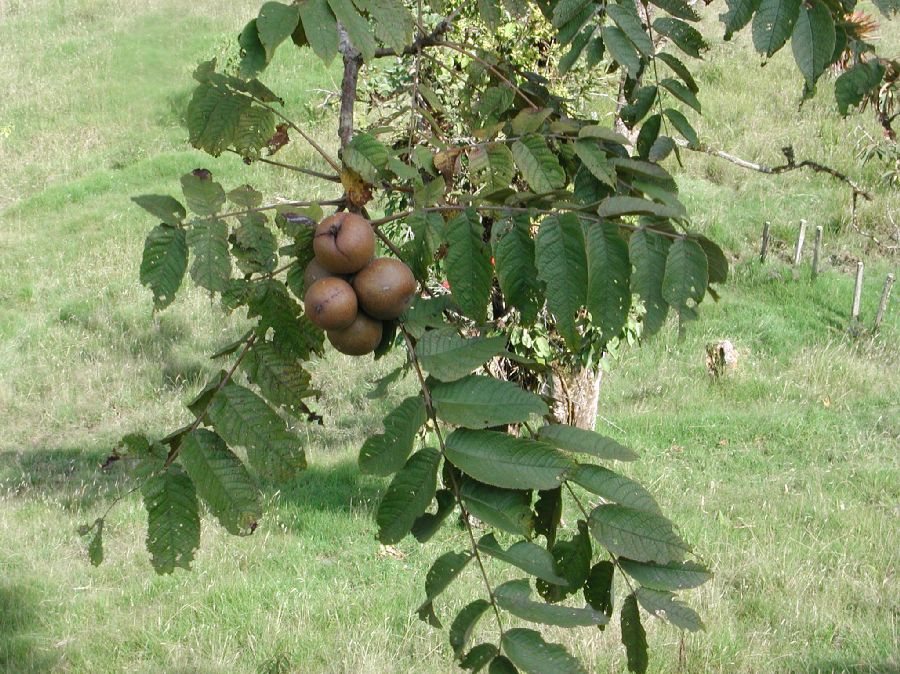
(817, 251)
(798, 251)
(857, 293)
(885, 297)
(765, 242)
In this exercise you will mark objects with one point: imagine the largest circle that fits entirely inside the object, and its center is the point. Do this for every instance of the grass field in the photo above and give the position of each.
(785, 476)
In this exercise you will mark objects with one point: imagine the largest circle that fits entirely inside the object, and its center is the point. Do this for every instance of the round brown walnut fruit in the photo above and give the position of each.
(331, 303)
(313, 272)
(385, 288)
(359, 338)
(344, 243)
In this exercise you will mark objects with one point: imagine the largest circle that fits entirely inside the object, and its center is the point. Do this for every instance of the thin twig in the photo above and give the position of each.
(462, 50)
(299, 169)
(173, 452)
(454, 485)
(309, 139)
(587, 517)
(266, 207)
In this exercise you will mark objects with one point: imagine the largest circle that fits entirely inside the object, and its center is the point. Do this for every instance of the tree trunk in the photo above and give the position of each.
(577, 395)
(352, 62)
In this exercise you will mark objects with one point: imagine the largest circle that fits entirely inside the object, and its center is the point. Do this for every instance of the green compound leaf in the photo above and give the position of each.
(773, 24)
(357, 27)
(213, 118)
(738, 15)
(686, 37)
(164, 263)
(634, 637)
(648, 254)
(598, 587)
(530, 653)
(275, 23)
(443, 571)
(208, 241)
(253, 54)
(679, 69)
(614, 487)
(468, 265)
(244, 419)
(280, 376)
(813, 40)
(464, 624)
(639, 105)
(715, 258)
(492, 166)
(539, 166)
(626, 18)
(572, 561)
(857, 83)
(562, 266)
(164, 207)
(505, 509)
(449, 356)
(393, 23)
(666, 577)
(477, 401)
(479, 657)
(320, 28)
(637, 534)
(513, 249)
(385, 453)
(525, 555)
(583, 441)
(366, 155)
(681, 92)
(408, 495)
(595, 160)
(664, 605)
(609, 278)
(615, 207)
(686, 276)
(565, 11)
(622, 50)
(203, 195)
(427, 525)
(677, 8)
(515, 596)
(294, 334)
(505, 461)
(221, 481)
(681, 123)
(173, 520)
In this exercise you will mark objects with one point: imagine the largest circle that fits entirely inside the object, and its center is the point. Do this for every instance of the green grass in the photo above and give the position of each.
(784, 476)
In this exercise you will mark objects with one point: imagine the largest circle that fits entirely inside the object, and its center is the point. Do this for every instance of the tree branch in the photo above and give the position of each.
(790, 165)
(432, 39)
(352, 63)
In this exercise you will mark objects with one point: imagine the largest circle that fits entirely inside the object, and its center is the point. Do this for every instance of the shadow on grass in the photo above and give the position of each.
(70, 478)
(337, 487)
(73, 479)
(19, 650)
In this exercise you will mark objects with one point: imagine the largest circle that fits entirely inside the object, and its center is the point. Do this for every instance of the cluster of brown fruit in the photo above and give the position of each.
(348, 293)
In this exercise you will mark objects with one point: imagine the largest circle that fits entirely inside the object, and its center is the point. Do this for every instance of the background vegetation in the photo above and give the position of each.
(796, 455)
